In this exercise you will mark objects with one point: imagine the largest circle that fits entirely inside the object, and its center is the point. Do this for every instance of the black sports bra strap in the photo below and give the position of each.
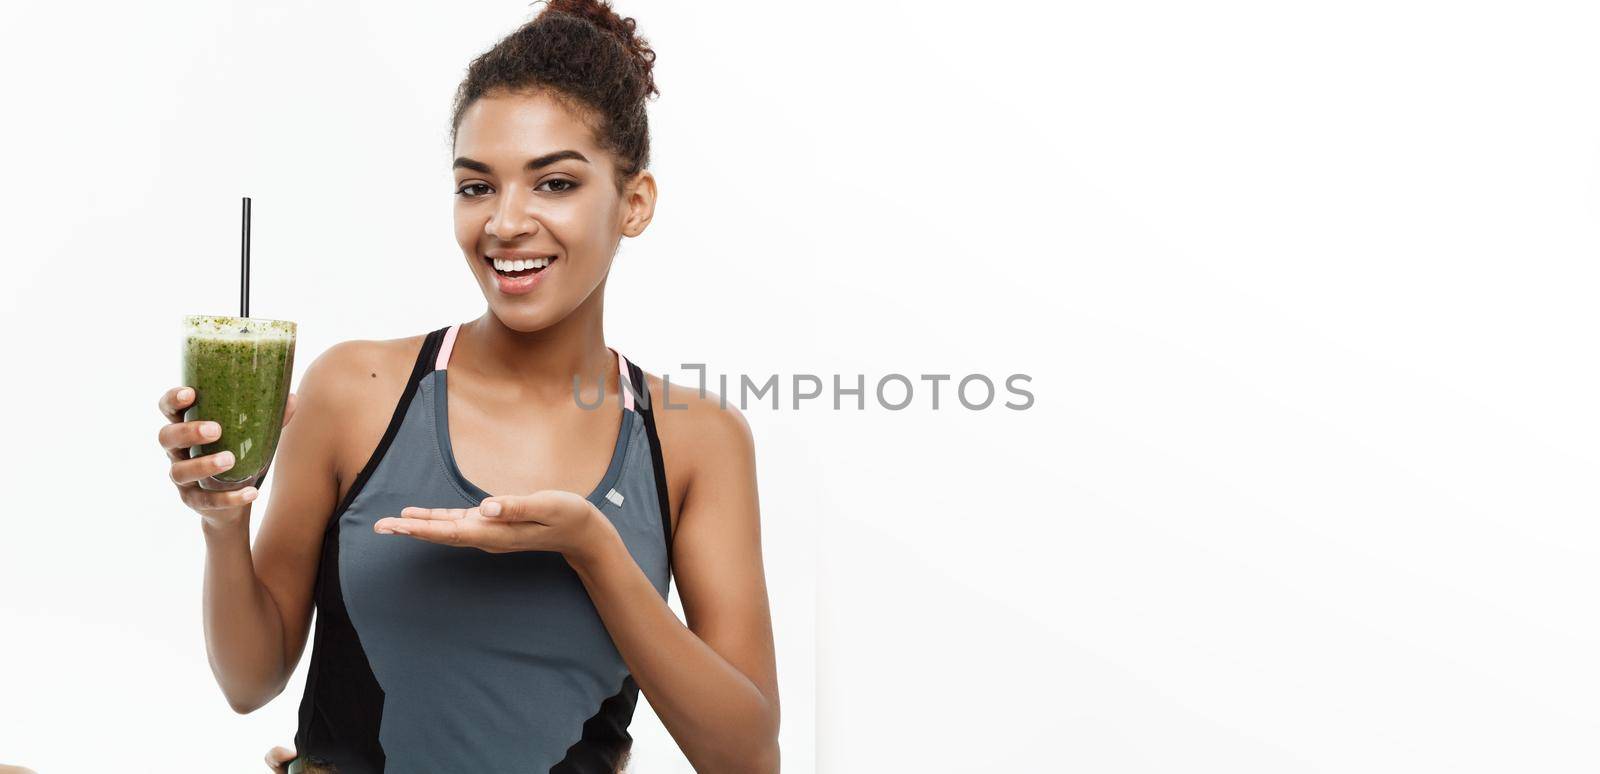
(647, 411)
(419, 369)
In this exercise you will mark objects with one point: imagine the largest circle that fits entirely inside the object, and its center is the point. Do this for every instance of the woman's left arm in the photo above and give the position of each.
(713, 683)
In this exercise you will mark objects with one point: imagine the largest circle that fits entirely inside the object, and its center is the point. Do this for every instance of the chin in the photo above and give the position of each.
(522, 318)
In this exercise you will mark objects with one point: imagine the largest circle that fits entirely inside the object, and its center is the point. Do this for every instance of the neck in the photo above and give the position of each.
(543, 361)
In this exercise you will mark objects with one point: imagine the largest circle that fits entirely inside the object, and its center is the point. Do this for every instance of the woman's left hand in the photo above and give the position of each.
(548, 520)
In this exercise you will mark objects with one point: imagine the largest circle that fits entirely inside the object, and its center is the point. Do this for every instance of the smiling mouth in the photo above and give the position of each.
(519, 268)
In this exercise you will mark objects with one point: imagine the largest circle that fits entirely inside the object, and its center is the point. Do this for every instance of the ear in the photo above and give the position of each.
(639, 203)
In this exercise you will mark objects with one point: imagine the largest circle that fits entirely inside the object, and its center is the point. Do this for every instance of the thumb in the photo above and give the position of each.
(509, 506)
(528, 507)
(277, 757)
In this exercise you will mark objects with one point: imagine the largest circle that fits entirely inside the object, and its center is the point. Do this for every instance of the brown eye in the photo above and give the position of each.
(567, 184)
(470, 190)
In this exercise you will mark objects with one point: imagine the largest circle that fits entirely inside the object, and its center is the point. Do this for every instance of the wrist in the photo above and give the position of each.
(599, 538)
(226, 526)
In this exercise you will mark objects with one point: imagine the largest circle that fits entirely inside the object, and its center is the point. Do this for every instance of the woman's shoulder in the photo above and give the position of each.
(353, 368)
(687, 413)
(697, 430)
(706, 446)
(353, 386)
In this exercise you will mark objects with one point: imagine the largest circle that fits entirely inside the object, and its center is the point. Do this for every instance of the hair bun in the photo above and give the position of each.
(600, 14)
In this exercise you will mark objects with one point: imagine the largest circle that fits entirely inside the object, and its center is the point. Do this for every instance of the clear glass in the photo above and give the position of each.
(239, 368)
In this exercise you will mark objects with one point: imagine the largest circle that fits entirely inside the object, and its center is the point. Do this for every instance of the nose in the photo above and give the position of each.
(513, 218)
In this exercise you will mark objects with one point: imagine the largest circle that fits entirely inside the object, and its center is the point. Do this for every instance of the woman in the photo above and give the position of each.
(483, 604)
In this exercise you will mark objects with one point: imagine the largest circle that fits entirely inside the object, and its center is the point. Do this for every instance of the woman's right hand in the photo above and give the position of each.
(217, 508)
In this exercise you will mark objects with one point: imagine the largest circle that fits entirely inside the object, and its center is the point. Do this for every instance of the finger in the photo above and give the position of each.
(277, 757)
(415, 512)
(177, 437)
(186, 472)
(207, 500)
(450, 532)
(288, 410)
(174, 401)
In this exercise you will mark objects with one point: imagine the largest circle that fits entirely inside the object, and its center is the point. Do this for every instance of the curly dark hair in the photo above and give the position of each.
(589, 59)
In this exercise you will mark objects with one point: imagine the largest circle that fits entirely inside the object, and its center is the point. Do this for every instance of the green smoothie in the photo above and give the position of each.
(239, 368)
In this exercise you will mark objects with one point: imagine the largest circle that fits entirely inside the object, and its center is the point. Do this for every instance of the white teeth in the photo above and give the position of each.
(501, 264)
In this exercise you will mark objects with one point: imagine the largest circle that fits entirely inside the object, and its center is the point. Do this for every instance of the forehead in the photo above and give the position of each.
(516, 126)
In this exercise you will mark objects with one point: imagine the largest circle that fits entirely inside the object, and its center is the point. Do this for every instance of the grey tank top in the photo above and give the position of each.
(433, 658)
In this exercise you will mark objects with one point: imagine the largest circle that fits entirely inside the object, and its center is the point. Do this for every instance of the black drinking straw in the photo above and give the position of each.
(244, 263)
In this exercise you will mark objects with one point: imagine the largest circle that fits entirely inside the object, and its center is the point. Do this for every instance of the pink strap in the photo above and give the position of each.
(444, 349)
(627, 384)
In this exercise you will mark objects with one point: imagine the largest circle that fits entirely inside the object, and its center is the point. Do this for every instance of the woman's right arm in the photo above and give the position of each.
(257, 608)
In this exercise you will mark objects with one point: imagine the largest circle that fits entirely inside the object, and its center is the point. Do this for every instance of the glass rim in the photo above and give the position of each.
(222, 323)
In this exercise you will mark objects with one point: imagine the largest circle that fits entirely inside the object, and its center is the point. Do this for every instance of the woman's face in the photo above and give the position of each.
(531, 185)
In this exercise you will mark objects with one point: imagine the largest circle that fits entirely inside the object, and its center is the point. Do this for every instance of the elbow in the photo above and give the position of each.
(768, 755)
(244, 702)
(245, 706)
(761, 757)
(752, 756)
(762, 760)
(767, 761)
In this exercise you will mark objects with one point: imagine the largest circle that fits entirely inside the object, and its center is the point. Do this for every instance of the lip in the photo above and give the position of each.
(517, 255)
(516, 286)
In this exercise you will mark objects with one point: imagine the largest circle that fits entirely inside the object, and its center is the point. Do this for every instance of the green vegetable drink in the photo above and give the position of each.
(239, 368)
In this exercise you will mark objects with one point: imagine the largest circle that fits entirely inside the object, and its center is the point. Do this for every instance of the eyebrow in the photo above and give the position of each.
(462, 162)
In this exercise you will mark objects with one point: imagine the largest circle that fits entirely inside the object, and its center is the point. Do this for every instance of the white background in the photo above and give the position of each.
(1306, 292)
